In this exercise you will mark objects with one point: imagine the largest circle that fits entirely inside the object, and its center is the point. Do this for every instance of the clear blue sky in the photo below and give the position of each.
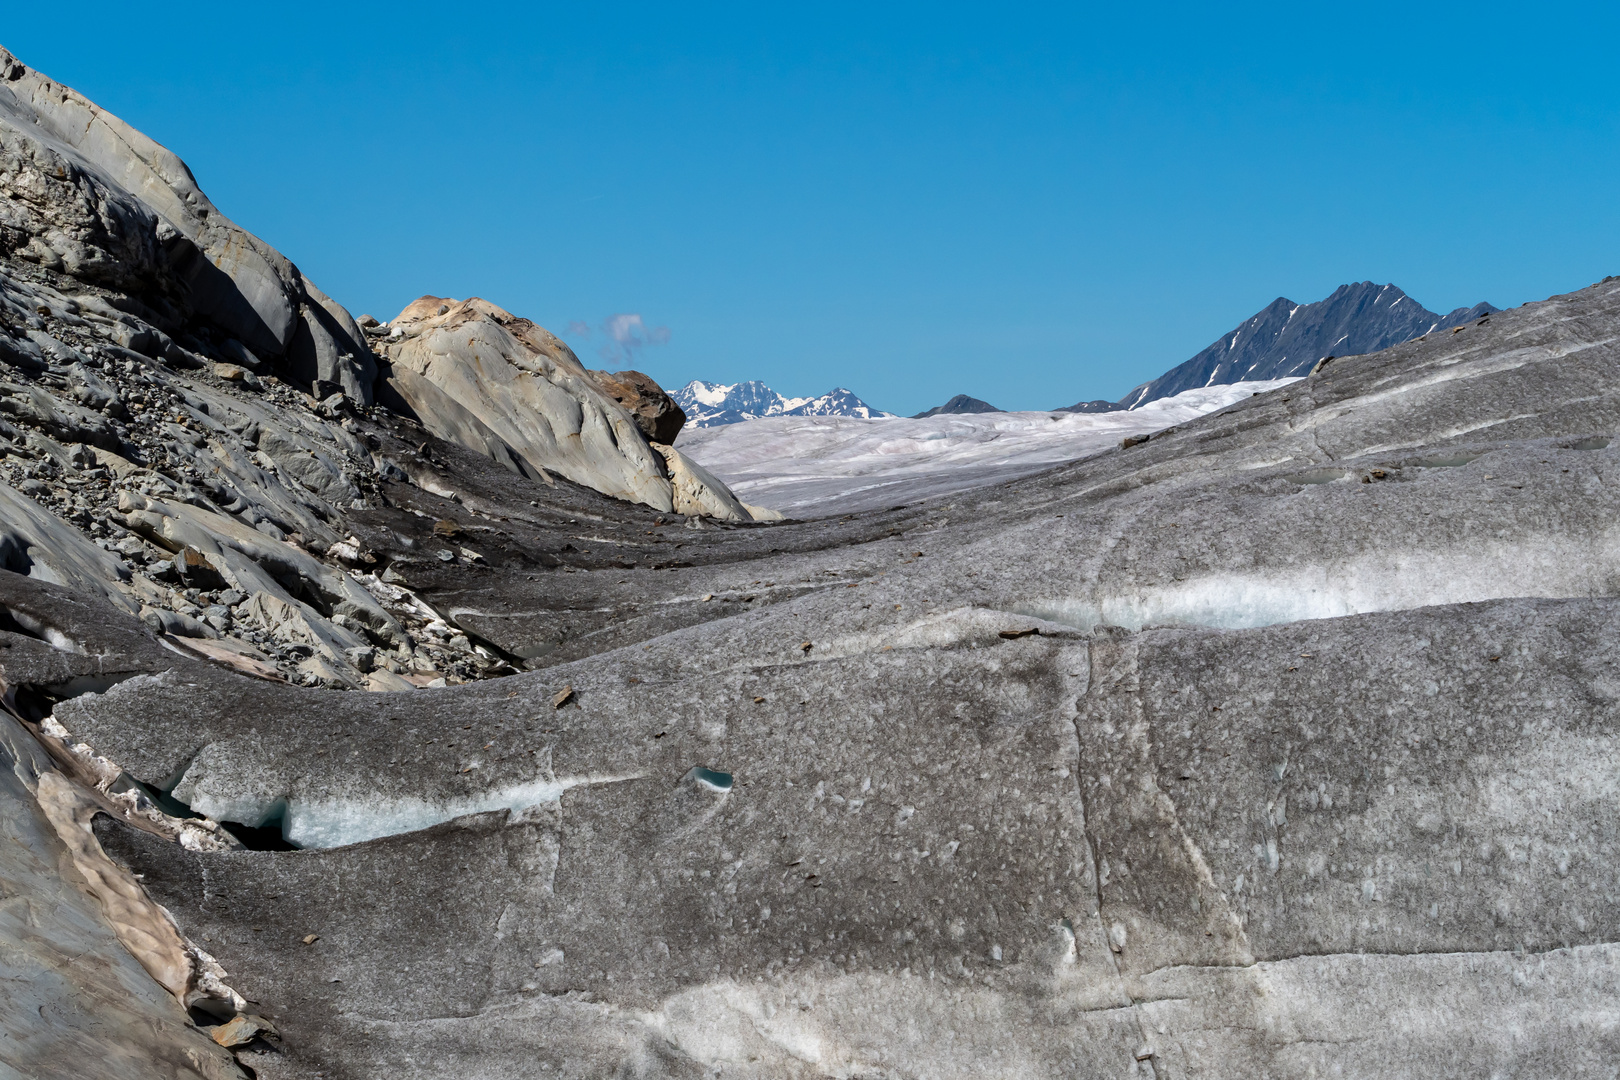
(1032, 205)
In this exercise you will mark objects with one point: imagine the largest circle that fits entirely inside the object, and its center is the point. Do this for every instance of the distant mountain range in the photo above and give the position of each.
(708, 404)
(1281, 341)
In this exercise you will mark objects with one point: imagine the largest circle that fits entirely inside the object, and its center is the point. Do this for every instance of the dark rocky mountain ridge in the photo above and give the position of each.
(960, 404)
(1286, 339)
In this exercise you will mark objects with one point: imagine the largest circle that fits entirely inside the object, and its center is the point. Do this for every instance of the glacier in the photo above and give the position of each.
(810, 466)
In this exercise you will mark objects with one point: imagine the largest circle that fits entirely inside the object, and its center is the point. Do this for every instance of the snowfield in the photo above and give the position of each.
(810, 466)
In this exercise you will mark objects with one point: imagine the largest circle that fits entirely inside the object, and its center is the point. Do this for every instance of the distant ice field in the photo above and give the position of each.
(813, 466)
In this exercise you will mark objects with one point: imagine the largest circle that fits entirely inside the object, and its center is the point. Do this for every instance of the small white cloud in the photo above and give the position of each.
(627, 334)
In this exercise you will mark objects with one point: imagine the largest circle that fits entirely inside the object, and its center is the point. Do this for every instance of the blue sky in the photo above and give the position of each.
(1034, 205)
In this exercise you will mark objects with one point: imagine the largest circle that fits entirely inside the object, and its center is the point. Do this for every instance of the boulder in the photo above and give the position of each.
(479, 376)
(173, 623)
(196, 571)
(654, 411)
(698, 494)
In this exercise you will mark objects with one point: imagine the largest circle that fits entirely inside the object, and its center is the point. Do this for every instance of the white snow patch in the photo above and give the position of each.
(709, 393)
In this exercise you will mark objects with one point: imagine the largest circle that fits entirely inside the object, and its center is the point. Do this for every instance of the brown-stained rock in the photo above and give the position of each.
(654, 411)
(241, 1030)
(195, 569)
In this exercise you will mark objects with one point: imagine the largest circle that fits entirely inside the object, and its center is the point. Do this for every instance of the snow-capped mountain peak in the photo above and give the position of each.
(707, 393)
(708, 404)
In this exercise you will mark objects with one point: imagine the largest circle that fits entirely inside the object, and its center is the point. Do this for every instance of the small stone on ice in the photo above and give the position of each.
(241, 1030)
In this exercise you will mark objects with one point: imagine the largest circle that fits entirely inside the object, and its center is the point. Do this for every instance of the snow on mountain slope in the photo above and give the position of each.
(1286, 339)
(808, 466)
(709, 404)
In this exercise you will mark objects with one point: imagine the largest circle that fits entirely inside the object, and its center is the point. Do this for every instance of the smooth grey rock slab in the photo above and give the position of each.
(1126, 795)
(72, 1000)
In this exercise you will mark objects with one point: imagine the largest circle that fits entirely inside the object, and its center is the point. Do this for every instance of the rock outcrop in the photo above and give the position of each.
(186, 427)
(94, 199)
(480, 376)
(698, 493)
(76, 930)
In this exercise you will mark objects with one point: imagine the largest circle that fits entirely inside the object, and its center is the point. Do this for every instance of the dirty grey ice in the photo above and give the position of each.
(392, 699)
